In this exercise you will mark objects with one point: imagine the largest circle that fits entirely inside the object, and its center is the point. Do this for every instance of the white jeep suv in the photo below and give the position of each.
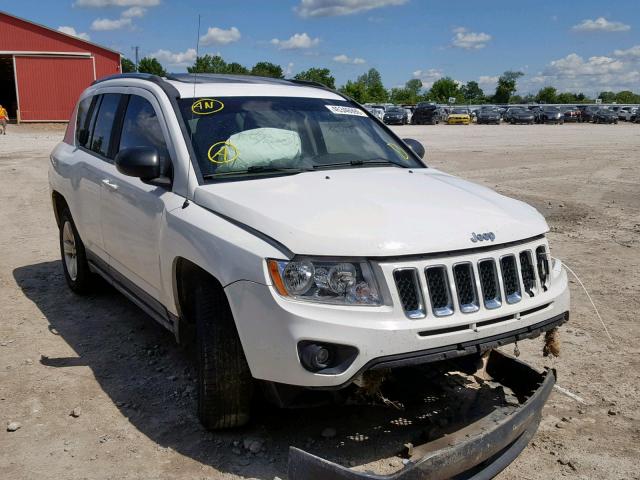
(292, 234)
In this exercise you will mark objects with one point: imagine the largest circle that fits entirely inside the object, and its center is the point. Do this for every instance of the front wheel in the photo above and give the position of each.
(225, 385)
(74, 257)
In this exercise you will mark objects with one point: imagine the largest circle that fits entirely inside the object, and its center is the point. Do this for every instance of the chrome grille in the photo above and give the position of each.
(473, 284)
(528, 276)
(466, 287)
(409, 291)
(489, 283)
(439, 292)
(510, 279)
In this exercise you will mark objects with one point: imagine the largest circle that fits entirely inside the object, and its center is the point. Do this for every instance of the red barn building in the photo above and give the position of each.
(43, 71)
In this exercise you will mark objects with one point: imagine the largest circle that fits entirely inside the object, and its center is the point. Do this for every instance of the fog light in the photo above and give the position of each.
(315, 357)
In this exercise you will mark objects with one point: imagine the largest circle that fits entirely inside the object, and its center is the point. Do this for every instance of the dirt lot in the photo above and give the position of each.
(134, 389)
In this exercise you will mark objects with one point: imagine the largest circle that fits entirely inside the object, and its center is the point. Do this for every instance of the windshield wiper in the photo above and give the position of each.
(359, 163)
(256, 169)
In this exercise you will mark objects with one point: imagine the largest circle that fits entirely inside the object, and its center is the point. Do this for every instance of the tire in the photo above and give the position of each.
(74, 257)
(225, 385)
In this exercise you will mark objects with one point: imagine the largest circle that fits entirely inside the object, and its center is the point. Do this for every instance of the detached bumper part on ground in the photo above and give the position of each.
(477, 451)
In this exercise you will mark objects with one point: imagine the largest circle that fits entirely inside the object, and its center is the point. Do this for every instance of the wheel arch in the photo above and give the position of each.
(59, 203)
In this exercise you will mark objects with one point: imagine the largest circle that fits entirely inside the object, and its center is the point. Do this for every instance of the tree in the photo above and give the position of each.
(547, 95)
(626, 96)
(152, 66)
(374, 86)
(607, 97)
(320, 75)
(126, 65)
(237, 69)
(355, 90)
(472, 93)
(209, 64)
(507, 86)
(443, 89)
(267, 69)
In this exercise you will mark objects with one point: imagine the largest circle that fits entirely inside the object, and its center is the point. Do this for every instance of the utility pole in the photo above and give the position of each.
(135, 49)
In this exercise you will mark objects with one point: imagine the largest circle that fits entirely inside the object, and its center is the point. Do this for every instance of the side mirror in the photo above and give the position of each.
(416, 146)
(141, 162)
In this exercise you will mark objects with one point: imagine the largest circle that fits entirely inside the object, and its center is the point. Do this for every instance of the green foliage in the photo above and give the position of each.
(126, 65)
(267, 69)
(209, 64)
(472, 93)
(320, 75)
(355, 90)
(372, 80)
(152, 66)
(444, 88)
(237, 69)
(607, 97)
(626, 96)
(506, 87)
(569, 97)
(547, 95)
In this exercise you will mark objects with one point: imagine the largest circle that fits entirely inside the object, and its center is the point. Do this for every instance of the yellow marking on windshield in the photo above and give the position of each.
(398, 150)
(206, 106)
(222, 152)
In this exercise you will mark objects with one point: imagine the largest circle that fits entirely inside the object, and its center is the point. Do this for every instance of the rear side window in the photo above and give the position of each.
(82, 121)
(141, 128)
(101, 138)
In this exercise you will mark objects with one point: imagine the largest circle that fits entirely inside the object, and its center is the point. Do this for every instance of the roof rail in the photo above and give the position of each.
(223, 78)
(161, 82)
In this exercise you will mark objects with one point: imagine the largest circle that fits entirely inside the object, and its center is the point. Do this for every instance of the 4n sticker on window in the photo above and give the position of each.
(206, 106)
(340, 110)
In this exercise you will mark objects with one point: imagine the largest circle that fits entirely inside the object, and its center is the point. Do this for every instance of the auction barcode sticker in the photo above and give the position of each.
(340, 110)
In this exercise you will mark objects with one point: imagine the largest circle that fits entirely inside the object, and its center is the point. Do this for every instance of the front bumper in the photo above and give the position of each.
(270, 328)
(476, 451)
(458, 121)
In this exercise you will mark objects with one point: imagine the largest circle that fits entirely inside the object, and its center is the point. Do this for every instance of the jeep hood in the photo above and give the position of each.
(371, 212)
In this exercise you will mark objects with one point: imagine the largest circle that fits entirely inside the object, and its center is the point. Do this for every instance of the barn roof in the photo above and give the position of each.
(57, 32)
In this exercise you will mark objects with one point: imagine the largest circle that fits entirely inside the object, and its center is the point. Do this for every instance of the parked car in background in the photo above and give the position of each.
(395, 116)
(605, 115)
(487, 115)
(409, 111)
(426, 114)
(375, 111)
(571, 114)
(549, 114)
(516, 115)
(625, 113)
(459, 116)
(588, 111)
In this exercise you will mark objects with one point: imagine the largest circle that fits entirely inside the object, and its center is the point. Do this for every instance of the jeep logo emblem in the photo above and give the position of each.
(481, 237)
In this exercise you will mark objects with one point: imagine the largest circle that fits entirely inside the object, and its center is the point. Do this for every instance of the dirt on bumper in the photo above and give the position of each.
(465, 425)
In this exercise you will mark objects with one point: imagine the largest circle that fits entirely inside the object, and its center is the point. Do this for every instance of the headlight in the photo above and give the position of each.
(336, 282)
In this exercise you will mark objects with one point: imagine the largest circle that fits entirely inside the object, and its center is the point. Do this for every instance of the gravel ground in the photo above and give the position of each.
(92, 388)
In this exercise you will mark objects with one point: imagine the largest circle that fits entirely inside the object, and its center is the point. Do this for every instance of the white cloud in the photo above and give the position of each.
(469, 40)
(178, 58)
(332, 8)
(633, 52)
(345, 59)
(105, 24)
(296, 41)
(219, 36)
(600, 24)
(289, 70)
(116, 3)
(573, 65)
(488, 82)
(134, 12)
(427, 77)
(72, 31)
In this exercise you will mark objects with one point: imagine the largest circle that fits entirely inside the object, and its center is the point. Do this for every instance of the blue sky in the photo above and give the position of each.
(586, 45)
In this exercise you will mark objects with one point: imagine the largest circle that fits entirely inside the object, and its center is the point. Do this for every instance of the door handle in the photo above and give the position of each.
(109, 184)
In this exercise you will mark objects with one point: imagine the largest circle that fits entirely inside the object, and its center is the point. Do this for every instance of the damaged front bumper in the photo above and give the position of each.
(476, 451)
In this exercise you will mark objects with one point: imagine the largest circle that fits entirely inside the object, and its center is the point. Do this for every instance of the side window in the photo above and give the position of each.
(141, 128)
(83, 118)
(101, 137)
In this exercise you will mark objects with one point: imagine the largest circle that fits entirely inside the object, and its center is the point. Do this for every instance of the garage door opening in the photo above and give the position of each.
(8, 97)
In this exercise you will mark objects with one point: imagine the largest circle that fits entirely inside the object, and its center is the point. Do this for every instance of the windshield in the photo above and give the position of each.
(248, 135)
(551, 109)
(395, 110)
(460, 111)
